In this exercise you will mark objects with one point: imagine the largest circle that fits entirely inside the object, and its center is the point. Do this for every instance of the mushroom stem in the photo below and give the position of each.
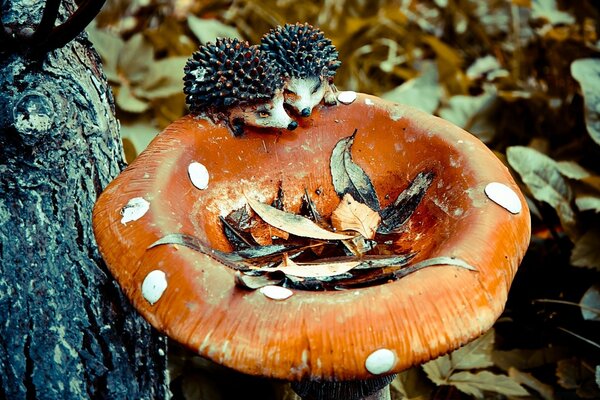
(368, 389)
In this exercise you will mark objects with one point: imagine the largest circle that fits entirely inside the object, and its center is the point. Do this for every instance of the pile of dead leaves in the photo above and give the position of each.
(354, 247)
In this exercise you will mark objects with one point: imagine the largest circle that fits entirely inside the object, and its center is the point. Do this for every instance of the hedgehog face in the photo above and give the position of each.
(305, 58)
(303, 94)
(267, 114)
(233, 81)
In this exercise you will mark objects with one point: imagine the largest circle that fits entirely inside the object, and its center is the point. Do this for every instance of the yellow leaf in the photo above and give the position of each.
(351, 215)
(292, 223)
(312, 270)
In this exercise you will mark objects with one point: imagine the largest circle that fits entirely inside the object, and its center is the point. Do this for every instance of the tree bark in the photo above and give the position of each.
(66, 331)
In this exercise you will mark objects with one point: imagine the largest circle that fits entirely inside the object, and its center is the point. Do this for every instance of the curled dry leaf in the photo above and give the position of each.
(312, 270)
(229, 259)
(254, 282)
(235, 237)
(431, 262)
(396, 214)
(348, 177)
(292, 223)
(350, 215)
(264, 233)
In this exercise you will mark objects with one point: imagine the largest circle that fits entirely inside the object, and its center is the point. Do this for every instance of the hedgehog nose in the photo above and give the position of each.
(305, 112)
(293, 125)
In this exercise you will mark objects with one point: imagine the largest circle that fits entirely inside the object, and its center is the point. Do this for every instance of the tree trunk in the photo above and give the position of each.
(66, 331)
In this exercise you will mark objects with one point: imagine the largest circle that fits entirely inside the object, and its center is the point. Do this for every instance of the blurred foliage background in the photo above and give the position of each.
(522, 75)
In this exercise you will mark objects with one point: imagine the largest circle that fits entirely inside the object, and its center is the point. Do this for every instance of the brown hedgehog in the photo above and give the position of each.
(232, 81)
(308, 62)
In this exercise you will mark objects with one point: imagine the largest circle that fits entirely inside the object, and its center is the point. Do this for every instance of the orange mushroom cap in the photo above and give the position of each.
(343, 335)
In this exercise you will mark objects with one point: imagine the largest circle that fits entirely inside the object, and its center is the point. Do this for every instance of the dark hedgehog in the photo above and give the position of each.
(232, 80)
(307, 60)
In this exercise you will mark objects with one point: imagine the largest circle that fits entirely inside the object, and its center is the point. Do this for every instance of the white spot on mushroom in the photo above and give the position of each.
(380, 361)
(154, 286)
(347, 97)
(369, 102)
(276, 292)
(134, 209)
(198, 175)
(504, 196)
(161, 352)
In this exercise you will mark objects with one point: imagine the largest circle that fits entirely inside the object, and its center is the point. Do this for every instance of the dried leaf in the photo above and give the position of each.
(586, 252)
(351, 215)
(423, 92)
(229, 259)
(292, 223)
(316, 270)
(432, 262)
(587, 72)
(278, 201)
(590, 303)
(546, 391)
(128, 102)
(411, 384)
(164, 78)
(587, 203)
(483, 66)
(547, 9)
(235, 237)
(575, 374)
(358, 245)
(348, 177)
(140, 133)
(207, 30)
(136, 57)
(254, 282)
(438, 370)
(264, 233)
(528, 358)
(543, 178)
(475, 355)
(266, 251)
(474, 113)
(396, 214)
(572, 170)
(308, 208)
(476, 384)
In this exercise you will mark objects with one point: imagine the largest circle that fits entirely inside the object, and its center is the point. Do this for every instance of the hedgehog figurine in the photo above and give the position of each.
(308, 62)
(231, 81)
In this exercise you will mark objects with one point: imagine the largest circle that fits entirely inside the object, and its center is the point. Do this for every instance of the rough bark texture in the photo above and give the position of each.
(66, 332)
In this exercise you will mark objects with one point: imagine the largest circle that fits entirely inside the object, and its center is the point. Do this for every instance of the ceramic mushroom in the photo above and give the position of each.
(231, 81)
(307, 60)
(335, 343)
